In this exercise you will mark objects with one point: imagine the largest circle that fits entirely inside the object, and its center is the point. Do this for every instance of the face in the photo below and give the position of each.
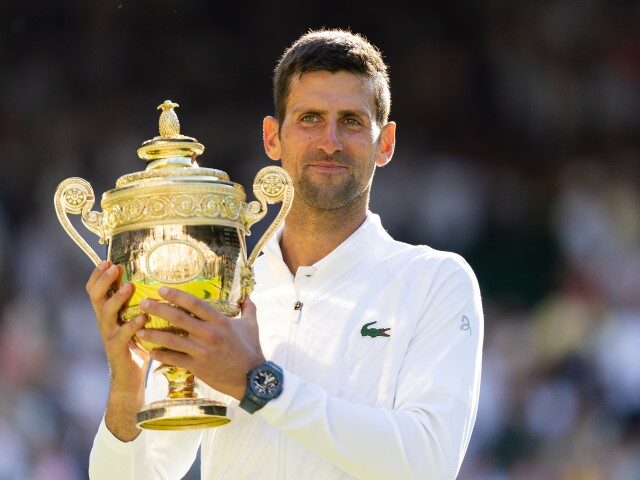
(329, 141)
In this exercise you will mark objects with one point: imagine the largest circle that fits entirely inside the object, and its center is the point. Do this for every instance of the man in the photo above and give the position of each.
(374, 345)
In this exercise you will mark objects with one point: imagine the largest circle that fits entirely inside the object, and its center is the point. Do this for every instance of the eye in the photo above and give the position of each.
(352, 122)
(309, 118)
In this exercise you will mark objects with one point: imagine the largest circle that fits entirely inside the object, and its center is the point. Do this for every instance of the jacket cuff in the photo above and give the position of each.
(276, 411)
(108, 440)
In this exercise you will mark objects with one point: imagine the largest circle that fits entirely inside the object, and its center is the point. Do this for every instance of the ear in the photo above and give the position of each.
(386, 144)
(271, 138)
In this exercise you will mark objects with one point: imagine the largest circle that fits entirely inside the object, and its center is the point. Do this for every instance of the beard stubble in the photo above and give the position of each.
(328, 195)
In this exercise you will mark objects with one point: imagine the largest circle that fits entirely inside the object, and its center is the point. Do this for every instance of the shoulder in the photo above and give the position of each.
(404, 259)
(423, 261)
(430, 278)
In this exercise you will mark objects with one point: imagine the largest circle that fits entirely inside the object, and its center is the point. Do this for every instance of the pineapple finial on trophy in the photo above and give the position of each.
(168, 123)
(170, 148)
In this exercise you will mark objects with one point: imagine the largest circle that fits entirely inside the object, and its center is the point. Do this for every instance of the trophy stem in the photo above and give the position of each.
(181, 382)
(181, 410)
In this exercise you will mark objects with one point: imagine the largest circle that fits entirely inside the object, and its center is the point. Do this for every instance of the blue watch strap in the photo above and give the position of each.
(250, 405)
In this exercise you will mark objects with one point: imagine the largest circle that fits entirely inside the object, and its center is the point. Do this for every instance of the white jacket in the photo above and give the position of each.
(353, 406)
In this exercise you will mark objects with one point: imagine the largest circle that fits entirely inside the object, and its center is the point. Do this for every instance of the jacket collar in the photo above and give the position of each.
(360, 246)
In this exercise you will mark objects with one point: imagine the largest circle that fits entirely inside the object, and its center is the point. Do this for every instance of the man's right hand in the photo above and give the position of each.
(128, 363)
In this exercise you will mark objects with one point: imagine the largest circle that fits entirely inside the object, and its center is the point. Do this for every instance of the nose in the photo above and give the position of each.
(330, 141)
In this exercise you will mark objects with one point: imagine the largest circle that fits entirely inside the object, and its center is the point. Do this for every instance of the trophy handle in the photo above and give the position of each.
(271, 185)
(75, 195)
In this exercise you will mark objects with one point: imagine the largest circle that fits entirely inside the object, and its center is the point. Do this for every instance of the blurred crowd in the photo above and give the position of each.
(518, 148)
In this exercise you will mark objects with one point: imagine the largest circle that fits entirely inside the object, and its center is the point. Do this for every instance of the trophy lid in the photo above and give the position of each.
(173, 188)
(171, 154)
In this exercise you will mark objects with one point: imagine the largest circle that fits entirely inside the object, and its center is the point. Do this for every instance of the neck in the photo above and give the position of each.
(310, 234)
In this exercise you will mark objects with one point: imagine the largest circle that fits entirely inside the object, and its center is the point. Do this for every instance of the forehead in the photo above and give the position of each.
(328, 91)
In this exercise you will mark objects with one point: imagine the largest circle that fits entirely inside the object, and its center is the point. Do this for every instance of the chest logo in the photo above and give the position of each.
(373, 332)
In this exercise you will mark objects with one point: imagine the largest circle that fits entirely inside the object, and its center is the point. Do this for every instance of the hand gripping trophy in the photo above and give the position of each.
(181, 225)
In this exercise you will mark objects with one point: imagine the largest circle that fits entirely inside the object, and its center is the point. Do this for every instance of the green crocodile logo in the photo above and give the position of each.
(373, 332)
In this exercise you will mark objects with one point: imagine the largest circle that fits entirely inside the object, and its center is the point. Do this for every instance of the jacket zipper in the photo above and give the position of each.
(291, 350)
(293, 333)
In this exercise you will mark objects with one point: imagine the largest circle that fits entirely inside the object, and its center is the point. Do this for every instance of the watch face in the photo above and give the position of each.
(264, 382)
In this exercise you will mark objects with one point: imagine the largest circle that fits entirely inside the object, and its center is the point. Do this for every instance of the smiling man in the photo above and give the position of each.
(361, 355)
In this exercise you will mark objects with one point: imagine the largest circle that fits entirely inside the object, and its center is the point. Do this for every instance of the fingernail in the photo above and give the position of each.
(145, 303)
(141, 333)
(125, 287)
(113, 269)
(163, 290)
(103, 265)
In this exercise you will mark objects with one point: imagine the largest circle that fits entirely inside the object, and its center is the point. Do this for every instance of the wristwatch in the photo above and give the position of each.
(264, 383)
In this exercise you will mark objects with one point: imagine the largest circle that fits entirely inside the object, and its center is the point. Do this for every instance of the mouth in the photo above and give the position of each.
(326, 167)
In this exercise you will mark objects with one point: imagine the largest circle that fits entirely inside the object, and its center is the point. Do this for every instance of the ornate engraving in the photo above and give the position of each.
(75, 195)
(73, 199)
(168, 172)
(247, 280)
(162, 206)
(175, 262)
(271, 185)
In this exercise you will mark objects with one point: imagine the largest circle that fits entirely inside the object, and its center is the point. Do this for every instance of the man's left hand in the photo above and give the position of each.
(217, 349)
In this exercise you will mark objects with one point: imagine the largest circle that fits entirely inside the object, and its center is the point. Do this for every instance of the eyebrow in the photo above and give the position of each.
(357, 113)
(341, 113)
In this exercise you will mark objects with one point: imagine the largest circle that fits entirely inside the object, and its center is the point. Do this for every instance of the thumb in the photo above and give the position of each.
(248, 309)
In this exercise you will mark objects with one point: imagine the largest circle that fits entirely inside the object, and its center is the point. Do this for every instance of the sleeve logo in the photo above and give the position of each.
(465, 325)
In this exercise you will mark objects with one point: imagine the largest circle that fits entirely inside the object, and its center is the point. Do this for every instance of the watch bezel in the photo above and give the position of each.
(275, 371)
(254, 400)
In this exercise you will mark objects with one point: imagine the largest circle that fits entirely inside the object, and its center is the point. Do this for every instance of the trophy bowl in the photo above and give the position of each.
(180, 225)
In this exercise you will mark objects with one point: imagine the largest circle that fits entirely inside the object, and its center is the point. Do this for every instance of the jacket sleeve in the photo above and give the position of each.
(427, 432)
(153, 455)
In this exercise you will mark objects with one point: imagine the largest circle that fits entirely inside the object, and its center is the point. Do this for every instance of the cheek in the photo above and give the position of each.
(364, 150)
(292, 144)
(361, 142)
(295, 135)
(288, 160)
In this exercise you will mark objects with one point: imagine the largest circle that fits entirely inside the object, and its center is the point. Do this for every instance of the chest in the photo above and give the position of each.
(347, 333)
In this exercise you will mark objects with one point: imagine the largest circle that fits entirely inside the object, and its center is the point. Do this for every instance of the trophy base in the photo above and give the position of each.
(182, 414)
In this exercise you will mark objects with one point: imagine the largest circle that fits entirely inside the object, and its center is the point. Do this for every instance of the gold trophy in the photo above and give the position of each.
(184, 226)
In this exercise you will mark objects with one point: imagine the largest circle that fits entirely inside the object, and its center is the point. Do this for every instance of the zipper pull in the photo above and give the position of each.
(297, 306)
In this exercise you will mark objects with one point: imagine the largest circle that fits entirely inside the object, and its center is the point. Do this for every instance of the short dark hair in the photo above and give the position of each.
(333, 51)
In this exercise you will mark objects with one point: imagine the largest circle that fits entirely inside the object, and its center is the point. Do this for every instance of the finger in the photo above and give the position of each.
(175, 359)
(126, 332)
(116, 301)
(99, 270)
(135, 348)
(101, 287)
(249, 317)
(199, 308)
(169, 340)
(175, 316)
